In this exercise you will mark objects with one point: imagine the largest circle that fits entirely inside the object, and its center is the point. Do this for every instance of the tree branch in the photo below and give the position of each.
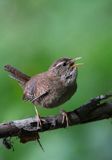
(96, 109)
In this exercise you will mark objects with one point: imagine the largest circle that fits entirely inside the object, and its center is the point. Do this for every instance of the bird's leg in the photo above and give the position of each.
(65, 118)
(39, 120)
(39, 123)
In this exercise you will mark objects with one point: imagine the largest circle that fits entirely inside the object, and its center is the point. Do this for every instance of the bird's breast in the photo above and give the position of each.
(56, 97)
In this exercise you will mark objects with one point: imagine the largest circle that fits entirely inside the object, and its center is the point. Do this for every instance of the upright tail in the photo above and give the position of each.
(17, 75)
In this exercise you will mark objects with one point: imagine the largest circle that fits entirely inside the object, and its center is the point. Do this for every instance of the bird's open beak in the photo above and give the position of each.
(77, 58)
(74, 65)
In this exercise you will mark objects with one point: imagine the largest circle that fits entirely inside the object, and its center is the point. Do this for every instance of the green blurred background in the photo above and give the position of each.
(34, 33)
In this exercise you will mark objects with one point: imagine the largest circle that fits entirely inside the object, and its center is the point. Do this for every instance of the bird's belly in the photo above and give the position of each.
(55, 99)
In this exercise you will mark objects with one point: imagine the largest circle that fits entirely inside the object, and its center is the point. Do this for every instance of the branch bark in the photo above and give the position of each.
(96, 109)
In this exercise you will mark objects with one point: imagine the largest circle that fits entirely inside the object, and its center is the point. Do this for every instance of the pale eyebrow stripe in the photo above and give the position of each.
(59, 64)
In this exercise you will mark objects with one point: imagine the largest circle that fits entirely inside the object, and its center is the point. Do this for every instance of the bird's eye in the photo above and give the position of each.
(64, 64)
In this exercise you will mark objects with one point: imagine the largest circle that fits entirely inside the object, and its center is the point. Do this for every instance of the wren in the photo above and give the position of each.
(51, 88)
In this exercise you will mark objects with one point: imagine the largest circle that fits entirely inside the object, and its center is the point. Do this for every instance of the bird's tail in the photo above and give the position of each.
(17, 75)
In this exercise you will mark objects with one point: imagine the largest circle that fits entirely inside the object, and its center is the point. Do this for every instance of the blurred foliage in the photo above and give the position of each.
(32, 35)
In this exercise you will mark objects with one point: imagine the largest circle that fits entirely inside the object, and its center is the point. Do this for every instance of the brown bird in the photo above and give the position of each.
(51, 88)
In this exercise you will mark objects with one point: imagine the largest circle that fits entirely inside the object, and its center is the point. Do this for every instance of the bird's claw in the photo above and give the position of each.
(65, 118)
(39, 121)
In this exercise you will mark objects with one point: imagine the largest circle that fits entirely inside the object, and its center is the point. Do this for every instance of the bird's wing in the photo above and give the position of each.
(36, 89)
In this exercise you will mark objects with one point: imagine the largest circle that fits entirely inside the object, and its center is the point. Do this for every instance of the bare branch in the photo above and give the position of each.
(96, 109)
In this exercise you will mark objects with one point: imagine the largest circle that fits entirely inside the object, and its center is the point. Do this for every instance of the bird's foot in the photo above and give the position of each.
(40, 121)
(65, 118)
